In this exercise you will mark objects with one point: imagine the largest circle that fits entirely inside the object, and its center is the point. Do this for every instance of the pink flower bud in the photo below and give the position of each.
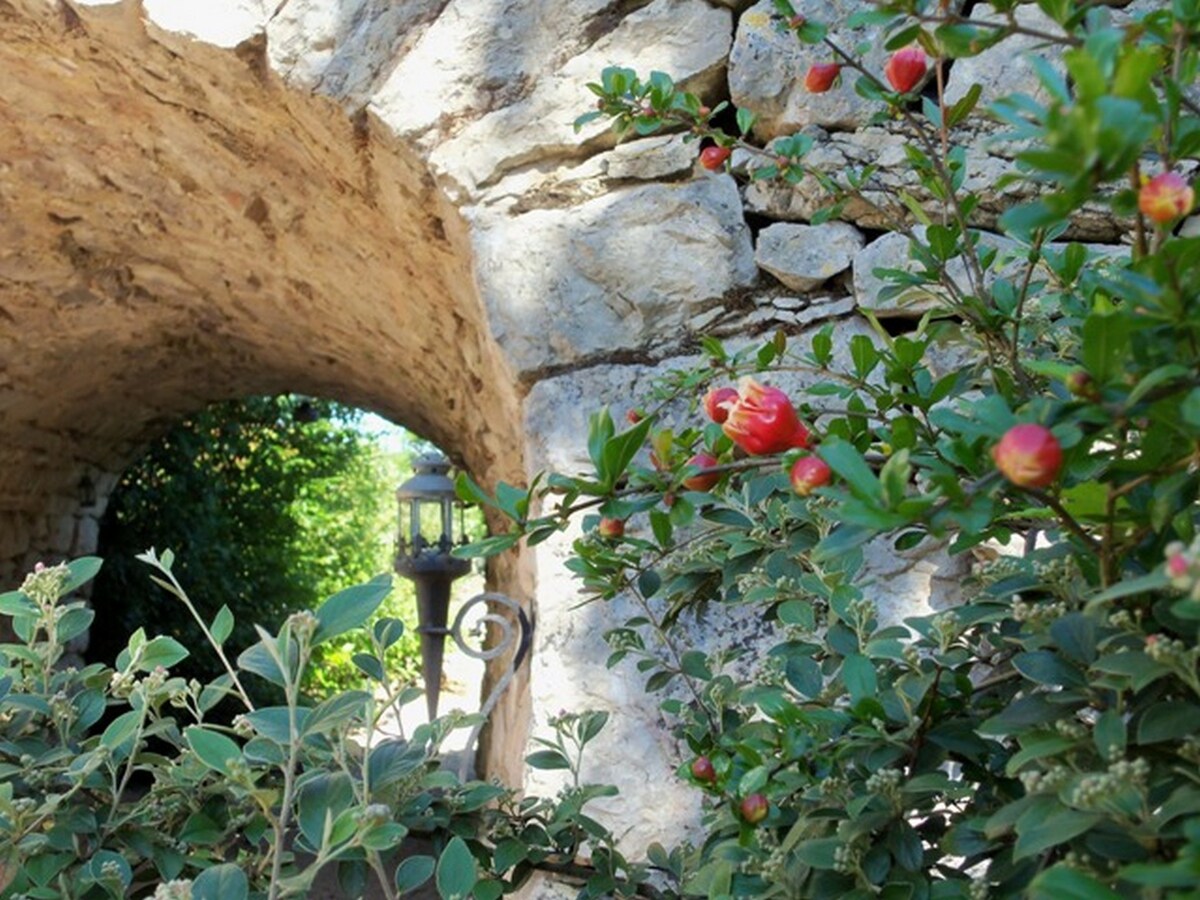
(809, 473)
(906, 68)
(1028, 455)
(1166, 197)
(1177, 565)
(763, 421)
(821, 77)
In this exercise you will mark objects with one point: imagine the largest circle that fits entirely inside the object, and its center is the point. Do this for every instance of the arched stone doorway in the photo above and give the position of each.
(177, 227)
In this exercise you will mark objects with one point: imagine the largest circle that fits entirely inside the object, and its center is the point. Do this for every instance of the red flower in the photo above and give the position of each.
(718, 402)
(763, 420)
(1028, 455)
(821, 77)
(1166, 197)
(906, 68)
(713, 158)
(809, 473)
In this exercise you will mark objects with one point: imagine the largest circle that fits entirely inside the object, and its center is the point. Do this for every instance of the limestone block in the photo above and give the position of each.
(878, 207)
(804, 257)
(650, 158)
(618, 272)
(345, 49)
(767, 67)
(687, 38)
(1006, 68)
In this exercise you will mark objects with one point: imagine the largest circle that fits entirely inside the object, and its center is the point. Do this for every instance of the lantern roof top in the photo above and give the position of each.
(430, 480)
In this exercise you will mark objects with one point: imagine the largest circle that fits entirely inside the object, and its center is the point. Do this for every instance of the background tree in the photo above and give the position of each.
(273, 504)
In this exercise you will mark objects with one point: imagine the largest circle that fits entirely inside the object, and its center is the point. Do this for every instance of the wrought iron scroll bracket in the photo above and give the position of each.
(514, 640)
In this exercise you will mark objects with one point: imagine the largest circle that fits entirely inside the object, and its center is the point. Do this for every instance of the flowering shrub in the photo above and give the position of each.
(1042, 737)
(116, 783)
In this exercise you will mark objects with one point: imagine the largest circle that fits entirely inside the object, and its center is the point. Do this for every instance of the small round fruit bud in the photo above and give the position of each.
(611, 528)
(755, 808)
(634, 416)
(702, 770)
(1028, 455)
(821, 77)
(702, 480)
(1166, 197)
(809, 473)
(713, 158)
(906, 68)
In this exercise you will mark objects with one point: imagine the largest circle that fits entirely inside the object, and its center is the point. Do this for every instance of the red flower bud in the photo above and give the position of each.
(1028, 455)
(755, 808)
(821, 77)
(702, 480)
(702, 770)
(718, 402)
(763, 420)
(634, 416)
(611, 528)
(906, 68)
(809, 473)
(713, 158)
(1166, 197)
(796, 22)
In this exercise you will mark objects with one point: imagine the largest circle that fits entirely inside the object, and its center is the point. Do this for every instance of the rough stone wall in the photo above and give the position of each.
(433, 241)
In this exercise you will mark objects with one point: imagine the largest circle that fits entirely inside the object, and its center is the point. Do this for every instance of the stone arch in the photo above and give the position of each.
(178, 227)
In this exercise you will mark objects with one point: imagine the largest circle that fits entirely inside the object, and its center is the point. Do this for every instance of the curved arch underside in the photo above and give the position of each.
(177, 227)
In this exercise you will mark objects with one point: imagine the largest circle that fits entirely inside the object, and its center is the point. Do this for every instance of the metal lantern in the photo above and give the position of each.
(428, 504)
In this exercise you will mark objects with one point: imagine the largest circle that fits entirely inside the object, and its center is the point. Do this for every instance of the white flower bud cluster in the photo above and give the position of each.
(886, 783)
(993, 571)
(1168, 652)
(179, 889)
(1069, 728)
(1048, 782)
(1061, 576)
(846, 859)
(1038, 616)
(1125, 620)
(45, 584)
(979, 889)
(1122, 775)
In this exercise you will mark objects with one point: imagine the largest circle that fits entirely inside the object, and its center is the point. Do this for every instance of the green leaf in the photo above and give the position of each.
(322, 800)
(1105, 345)
(413, 872)
(350, 608)
(619, 452)
(848, 463)
(547, 759)
(745, 120)
(1168, 721)
(121, 729)
(1037, 833)
(81, 571)
(1064, 883)
(223, 882)
(213, 749)
(74, 622)
(1046, 667)
(222, 625)
(161, 651)
(858, 673)
(456, 874)
(1109, 735)
(819, 853)
(1075, 634)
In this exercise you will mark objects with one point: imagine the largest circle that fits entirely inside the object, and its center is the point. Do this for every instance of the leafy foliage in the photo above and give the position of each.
(164, 802)
(1040, 738)
(278, 500)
